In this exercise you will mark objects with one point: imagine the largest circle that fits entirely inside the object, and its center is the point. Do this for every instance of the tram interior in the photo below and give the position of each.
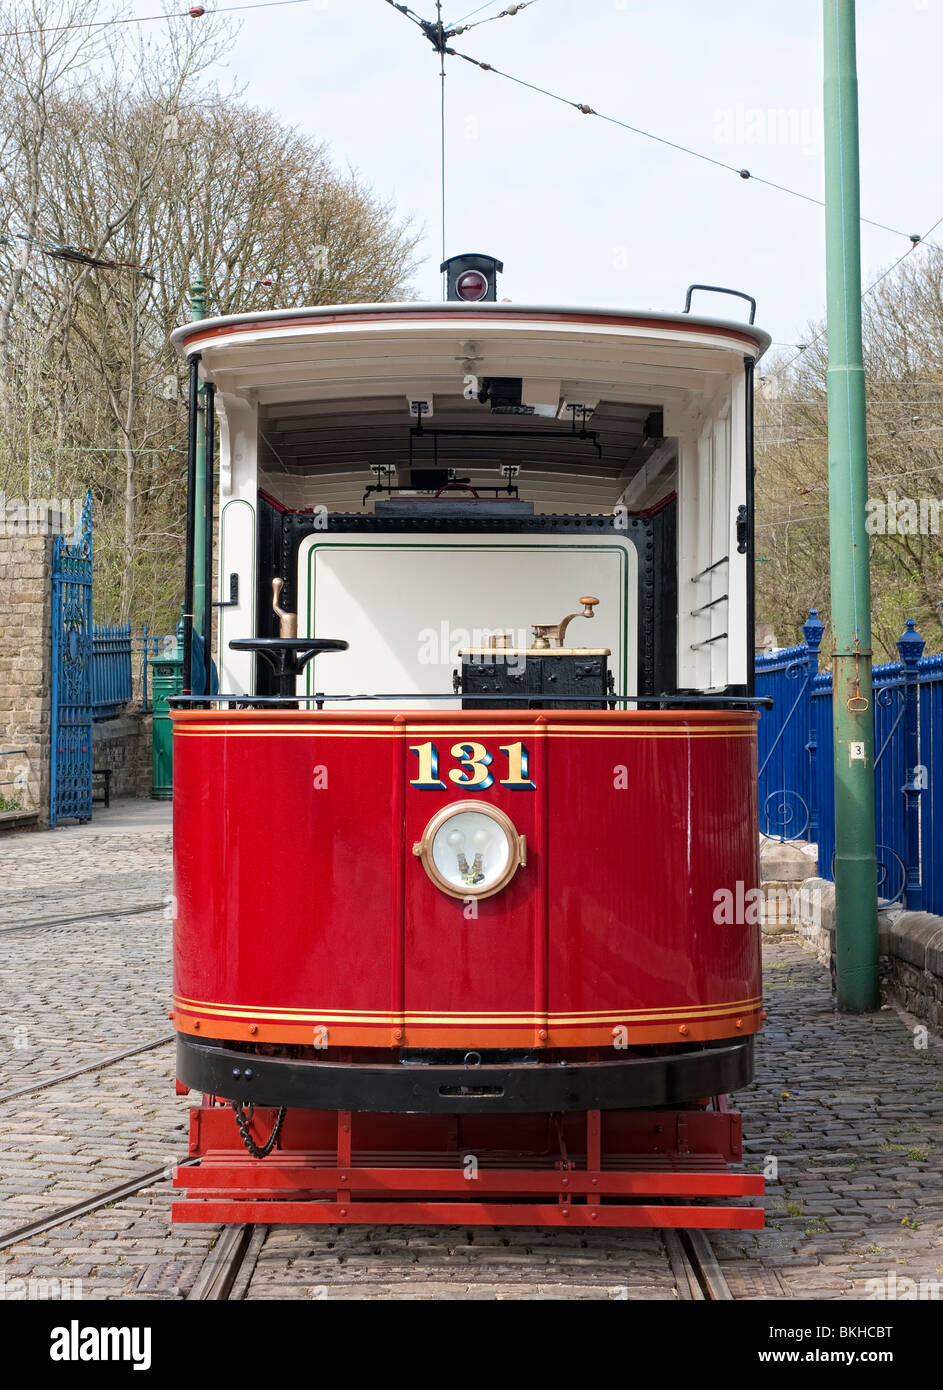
(573, 454)
(464, 465)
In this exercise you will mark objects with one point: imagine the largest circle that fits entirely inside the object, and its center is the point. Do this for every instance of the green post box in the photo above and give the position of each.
(166, 680)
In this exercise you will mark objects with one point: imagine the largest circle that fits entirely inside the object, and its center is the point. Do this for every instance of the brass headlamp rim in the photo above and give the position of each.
(517, 849)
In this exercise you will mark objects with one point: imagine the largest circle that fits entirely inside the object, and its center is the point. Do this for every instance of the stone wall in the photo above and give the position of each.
(25, 654)
(123, 746)
(910, 944)
(913, 967)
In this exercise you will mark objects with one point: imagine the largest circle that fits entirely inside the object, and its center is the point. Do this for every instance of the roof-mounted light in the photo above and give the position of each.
(471, 284)
(471, 277)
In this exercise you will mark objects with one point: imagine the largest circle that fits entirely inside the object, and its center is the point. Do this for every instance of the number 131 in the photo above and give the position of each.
(474, 770)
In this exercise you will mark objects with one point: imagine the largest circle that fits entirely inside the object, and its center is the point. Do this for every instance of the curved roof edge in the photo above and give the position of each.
(217, 326)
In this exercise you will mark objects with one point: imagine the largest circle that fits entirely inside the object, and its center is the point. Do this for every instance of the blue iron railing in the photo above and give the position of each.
(930, 716)
(115, 650)
(796, 742)
(788, 740)
(146, 646)
(111, 668)
(823, 771)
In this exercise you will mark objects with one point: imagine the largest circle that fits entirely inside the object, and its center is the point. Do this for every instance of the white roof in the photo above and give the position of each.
(196, 335)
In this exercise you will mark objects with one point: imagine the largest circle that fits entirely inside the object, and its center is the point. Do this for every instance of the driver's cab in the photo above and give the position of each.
(439, 488)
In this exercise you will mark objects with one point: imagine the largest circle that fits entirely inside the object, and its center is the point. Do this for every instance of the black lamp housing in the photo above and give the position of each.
(472, 264)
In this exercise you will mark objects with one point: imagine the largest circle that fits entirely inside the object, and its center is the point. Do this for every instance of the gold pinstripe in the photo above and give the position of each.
(694, 1012)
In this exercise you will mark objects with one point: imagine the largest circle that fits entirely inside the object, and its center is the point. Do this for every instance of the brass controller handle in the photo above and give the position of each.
(545, 634)
(287, 622)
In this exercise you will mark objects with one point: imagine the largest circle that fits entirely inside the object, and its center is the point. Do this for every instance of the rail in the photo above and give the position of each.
(318, 699)
(227, 1270)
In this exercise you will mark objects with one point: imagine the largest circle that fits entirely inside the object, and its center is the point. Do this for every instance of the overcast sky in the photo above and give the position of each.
(580, 211)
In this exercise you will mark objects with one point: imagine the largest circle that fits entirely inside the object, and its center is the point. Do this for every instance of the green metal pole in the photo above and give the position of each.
(198, 311)
(852, 713)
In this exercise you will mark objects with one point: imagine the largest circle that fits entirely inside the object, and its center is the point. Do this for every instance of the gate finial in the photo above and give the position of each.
(812, 629)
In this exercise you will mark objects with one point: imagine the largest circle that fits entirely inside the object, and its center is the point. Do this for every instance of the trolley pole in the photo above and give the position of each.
(852, 712)
(198, 311)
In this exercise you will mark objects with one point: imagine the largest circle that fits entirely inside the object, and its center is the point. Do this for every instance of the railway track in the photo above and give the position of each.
(698, 1274)
(92, 1066)
(44, 923)
(61, 1215)
(227, 1271)
(228, 1268)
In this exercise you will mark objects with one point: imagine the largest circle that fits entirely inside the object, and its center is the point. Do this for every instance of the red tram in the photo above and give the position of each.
(447, 939)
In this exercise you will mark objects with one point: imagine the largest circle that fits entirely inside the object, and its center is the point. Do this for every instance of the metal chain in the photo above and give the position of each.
(243, 1119)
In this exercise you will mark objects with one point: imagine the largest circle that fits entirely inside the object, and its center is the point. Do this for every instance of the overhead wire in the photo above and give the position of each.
(195, 12)
(462, 28)
(77, 255)
(486, 6)
(440, 34)
(872, 478)
(198, 11)
(915, 239)
(923, 240)
(746, 174)
(409, 14)
(587, 110)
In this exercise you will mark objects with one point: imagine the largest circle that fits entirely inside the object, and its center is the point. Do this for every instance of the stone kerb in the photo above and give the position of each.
(910, 945)
(915, 964)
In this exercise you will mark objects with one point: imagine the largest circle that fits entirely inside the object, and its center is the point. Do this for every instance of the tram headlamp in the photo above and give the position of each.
(471, 850)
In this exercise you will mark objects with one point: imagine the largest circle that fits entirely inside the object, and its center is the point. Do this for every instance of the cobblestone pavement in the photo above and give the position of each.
(849, 1109)
(120, 861)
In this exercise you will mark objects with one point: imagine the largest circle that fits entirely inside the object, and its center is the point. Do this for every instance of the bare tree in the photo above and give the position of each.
(903, 341)
(154, 177)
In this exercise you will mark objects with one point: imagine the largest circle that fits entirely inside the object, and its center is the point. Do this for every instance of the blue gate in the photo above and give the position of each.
(796, 753)
(70, 796)
(787, 742)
